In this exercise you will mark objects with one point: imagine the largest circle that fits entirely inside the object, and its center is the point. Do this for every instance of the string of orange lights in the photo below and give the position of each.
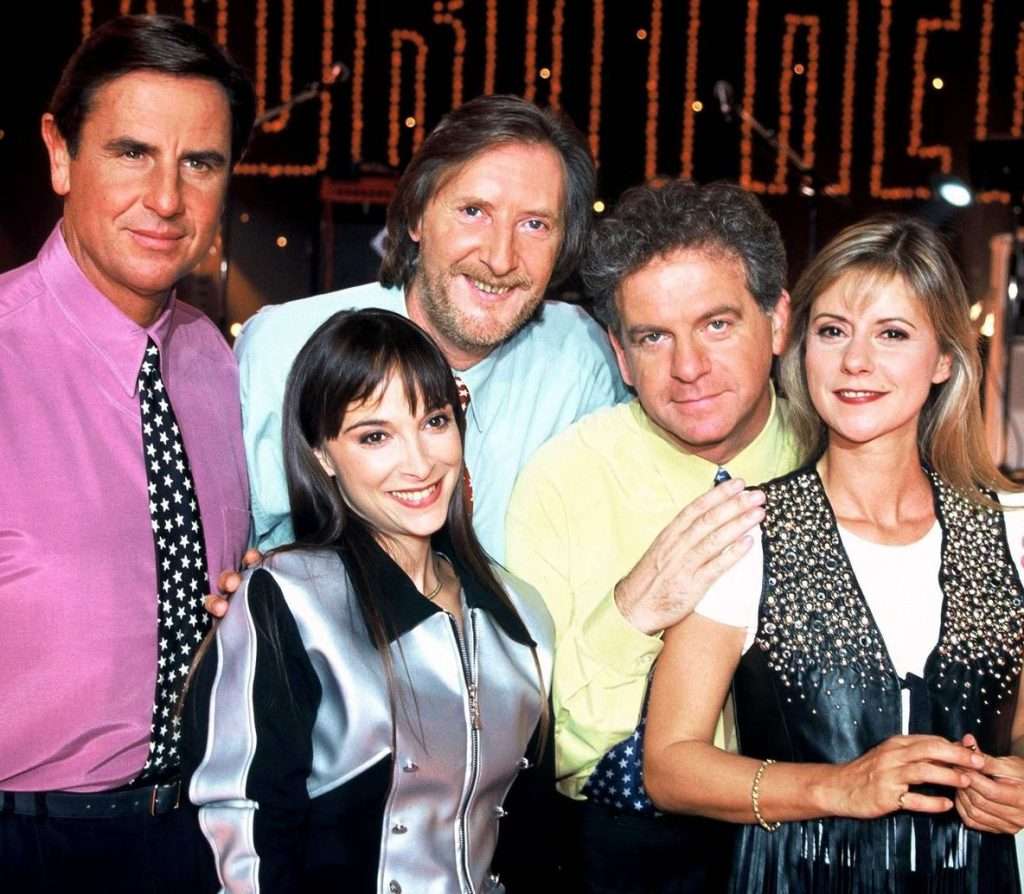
(653, 65)
(413, 122)
(596, 63)
(915, 147)
(802, 34)
(444, 15)
(691, 105)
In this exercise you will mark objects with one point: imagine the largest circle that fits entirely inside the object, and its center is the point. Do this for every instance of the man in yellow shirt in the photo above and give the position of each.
(611, 521)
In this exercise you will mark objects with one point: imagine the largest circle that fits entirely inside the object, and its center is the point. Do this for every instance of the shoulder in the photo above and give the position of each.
(18, 288)
(201, 335)
(285, 328)
(530, 606)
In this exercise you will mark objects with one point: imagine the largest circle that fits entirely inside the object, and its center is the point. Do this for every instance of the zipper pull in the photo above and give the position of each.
(474, 705)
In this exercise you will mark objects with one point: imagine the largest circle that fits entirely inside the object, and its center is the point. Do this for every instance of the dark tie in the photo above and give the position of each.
(721, 476)
(464, 401)
(180, 562)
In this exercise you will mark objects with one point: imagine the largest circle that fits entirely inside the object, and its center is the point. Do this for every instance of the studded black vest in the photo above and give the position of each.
(818, 685)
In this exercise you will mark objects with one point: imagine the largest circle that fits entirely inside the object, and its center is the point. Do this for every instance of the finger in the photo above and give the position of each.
(703, 508)
(926, 803)
(722, 539)
(969, 815)
(941, 751)
(716, 566)
(969, 741)
(1006, 792)
(252, 557)
(994, 817)
(228, 581)
(215, 605)
(925, 772)
(1006, 767)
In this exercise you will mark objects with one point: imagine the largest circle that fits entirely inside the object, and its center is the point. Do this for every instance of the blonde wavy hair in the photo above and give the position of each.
(950, 430)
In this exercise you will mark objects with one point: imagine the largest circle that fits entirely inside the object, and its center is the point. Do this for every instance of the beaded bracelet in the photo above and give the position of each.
(755, 797)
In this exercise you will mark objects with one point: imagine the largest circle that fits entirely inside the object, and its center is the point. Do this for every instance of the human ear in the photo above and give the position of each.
(325, 462)
(780, 323)
(943, 369)
(60, 155)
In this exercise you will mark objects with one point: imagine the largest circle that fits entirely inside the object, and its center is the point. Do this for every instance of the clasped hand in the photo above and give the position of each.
(993, 801)
(879, 781)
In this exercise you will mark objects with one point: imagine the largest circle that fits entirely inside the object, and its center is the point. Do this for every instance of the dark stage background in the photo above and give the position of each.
(879, 95)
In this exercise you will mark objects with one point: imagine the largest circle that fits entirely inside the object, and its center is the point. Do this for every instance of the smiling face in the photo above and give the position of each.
(698, 350)
(144, 192)
(396, 468)
(489, 239)
(871, 359)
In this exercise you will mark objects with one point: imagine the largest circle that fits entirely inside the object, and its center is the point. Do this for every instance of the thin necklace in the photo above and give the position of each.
(432, 595)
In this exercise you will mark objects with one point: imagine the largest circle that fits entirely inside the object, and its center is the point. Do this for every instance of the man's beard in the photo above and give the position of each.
(465, 332)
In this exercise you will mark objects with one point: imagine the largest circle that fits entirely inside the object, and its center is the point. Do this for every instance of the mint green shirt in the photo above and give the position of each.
(556, 369)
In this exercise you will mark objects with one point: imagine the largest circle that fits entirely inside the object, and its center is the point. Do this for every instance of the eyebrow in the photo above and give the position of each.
(719, 311)
(881, 322)
(365, 423)
(211, 157)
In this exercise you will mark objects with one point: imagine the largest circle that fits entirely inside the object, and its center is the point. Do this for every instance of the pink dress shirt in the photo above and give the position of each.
(77, 562)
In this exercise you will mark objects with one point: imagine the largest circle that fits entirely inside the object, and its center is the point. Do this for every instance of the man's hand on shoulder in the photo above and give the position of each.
(705, 539)
(228, 582)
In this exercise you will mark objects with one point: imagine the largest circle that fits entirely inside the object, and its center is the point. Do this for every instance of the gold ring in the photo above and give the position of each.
(899, 800)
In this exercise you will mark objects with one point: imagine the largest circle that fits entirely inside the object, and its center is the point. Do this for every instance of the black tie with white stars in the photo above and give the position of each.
(180, 563)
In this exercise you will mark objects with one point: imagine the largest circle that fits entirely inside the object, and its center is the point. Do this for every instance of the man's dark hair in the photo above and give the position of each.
(464, 133)
(651, 222)
(162, 44)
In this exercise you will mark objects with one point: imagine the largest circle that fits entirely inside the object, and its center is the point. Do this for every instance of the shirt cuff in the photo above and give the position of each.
(615, 642)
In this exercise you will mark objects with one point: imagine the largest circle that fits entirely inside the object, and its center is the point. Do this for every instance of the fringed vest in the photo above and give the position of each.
(818, 685)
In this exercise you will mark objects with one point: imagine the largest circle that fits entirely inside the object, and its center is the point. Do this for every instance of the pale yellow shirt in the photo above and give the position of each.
(584, 510)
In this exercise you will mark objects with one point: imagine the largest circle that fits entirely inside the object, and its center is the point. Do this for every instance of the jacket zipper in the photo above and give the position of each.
(473, 692)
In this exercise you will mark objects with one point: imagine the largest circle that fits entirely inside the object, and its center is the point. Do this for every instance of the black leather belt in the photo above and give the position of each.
(151, 800)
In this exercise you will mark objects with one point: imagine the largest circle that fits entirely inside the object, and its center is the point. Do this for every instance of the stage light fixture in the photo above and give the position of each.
(954, 191)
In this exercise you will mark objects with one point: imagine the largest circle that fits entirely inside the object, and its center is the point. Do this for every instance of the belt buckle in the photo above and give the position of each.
(156, 789)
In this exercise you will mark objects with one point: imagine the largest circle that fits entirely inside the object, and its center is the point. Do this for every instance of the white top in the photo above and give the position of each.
(900, 585)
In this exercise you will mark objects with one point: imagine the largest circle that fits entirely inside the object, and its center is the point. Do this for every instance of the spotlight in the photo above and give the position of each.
(954, 191)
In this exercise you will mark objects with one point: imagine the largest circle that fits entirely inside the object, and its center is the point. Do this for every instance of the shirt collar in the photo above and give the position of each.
(118, 340)
(406, 607)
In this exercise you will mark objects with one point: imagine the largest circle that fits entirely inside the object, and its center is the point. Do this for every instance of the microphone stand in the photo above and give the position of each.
(338, 74)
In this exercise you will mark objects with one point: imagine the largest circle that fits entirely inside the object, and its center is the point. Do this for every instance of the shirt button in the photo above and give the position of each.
(500, 812)
(524, 763)
(394, 887)
(399, 828)
(409, 767)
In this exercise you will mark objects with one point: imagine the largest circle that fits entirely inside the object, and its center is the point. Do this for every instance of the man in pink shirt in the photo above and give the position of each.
(123, 480)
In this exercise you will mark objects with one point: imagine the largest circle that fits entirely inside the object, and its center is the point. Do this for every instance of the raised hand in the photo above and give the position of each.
(707, 537)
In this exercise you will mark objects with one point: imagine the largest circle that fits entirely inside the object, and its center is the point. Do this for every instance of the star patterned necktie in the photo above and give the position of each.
(464, 401)
(180, 562)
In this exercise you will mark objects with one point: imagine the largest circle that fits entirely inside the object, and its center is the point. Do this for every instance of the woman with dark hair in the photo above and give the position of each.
(873, 633)
(376, 685)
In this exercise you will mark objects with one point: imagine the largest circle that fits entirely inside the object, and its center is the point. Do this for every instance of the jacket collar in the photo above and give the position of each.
(405, 607)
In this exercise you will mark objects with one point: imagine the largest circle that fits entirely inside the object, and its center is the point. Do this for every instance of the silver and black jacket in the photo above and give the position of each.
(307, 779)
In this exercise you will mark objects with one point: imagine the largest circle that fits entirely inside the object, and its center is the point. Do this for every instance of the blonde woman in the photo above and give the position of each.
(873, 634)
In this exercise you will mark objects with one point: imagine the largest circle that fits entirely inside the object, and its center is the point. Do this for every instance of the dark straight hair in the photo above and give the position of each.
(349, 359)
(463, 134)
(162, 44)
